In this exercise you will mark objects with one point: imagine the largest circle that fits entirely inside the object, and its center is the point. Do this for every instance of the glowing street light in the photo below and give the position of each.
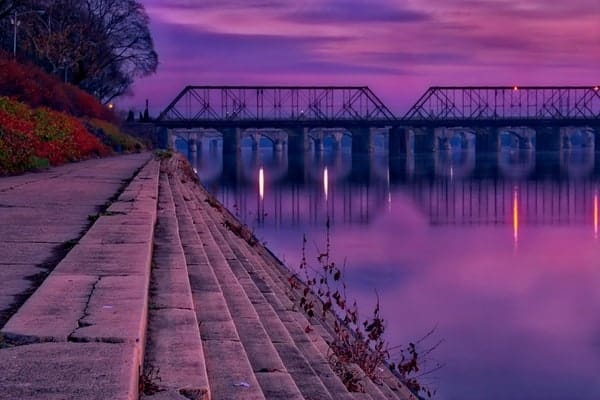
(515, 88)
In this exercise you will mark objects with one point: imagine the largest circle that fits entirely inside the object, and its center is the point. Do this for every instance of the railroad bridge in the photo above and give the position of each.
(297, 118)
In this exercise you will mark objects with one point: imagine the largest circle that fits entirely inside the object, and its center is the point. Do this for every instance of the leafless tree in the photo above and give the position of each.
(99, 45)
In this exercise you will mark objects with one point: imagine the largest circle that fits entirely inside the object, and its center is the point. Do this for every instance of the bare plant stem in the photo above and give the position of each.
(355, 342)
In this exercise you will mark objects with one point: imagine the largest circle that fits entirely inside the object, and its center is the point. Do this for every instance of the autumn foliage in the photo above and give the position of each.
(31, 85)
(33, 137)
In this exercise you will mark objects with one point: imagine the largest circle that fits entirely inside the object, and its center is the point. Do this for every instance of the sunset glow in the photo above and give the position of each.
(533, 42)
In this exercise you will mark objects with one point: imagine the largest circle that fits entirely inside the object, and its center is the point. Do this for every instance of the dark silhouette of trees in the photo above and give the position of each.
(98, 45)
(8, 6)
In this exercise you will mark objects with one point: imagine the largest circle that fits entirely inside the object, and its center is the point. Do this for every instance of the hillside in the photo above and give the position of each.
(45, 122)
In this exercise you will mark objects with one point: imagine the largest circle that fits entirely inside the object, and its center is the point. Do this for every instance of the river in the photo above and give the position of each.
(498, 253)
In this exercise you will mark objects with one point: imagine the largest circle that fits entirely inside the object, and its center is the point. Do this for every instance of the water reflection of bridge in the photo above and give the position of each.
(466, 189)
(501, 201)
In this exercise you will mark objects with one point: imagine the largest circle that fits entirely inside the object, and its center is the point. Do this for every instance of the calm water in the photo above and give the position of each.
(499, 252)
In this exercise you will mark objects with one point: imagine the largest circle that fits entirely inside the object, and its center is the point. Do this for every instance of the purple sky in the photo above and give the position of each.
(397, 47)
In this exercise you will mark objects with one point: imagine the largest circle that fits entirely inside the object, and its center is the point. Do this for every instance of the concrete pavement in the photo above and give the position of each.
(40, 213)
(82, 332)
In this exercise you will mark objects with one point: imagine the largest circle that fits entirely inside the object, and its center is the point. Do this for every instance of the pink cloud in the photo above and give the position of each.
(399, 48)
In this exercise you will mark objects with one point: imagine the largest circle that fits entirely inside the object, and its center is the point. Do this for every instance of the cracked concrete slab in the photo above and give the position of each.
(47, 316)
(90, 314)
(116, 311)
(41, 211)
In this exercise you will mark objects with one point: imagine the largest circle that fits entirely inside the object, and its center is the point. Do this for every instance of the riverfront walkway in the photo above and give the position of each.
(165, 292)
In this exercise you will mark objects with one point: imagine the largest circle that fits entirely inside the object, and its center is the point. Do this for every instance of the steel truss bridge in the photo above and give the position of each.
(358, 109)
(317, 105)
(494, 105)
(267, 105)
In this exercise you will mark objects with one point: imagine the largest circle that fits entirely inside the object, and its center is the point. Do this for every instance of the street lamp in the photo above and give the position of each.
(15, 21)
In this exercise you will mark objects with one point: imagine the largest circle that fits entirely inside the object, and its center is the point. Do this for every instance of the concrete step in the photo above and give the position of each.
(173, 349)
(282, 320)
(97, 298)
(297, 361)
(249, 292)
(274, 377)
(322, 331)
(277, 289)
(389, 386)
(229, 370)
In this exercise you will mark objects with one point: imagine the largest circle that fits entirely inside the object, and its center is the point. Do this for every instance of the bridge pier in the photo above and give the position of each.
(424, 140)
(255, 141)
(213, 145)
(193, 143)
(278, 146)
(399, 141)
(297, 163)
(548, 139)
(486, 140)
(362, 141)
(172, 140)
(232, 140)
(163, 137)
(319, 146)
(337, 141)
(297, 140)
(361, 169)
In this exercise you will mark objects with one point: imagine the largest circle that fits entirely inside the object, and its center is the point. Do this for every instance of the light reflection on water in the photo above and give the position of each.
(498, 251)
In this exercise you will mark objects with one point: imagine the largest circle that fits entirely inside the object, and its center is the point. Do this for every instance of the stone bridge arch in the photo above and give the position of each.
(456, 138)
(577, 137)
(523, 138)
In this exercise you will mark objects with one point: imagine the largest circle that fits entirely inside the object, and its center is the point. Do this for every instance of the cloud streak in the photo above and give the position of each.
(387, 44)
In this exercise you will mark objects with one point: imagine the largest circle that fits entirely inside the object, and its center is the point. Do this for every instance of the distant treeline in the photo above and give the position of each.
(99, 45)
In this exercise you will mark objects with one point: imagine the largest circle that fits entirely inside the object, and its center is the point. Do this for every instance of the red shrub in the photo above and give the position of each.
(28, 136)
(30, 84)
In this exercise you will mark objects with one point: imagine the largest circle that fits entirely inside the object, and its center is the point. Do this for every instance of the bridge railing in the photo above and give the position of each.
(507, 103)
(276, 103)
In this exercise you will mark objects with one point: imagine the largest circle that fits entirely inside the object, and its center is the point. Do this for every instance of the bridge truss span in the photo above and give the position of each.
(507, 103)
(197, 105)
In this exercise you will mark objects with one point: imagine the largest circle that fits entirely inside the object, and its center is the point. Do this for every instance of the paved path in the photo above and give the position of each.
(81, 335)
(40, 212)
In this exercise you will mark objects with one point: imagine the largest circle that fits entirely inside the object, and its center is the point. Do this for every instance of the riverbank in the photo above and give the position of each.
(167, 282)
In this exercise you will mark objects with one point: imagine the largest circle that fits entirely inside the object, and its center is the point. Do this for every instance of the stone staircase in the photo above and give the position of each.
(245, 339)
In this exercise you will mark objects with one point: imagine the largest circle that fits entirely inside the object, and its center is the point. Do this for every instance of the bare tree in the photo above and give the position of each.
(6, 7)
(123, 47)
(99, 45)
